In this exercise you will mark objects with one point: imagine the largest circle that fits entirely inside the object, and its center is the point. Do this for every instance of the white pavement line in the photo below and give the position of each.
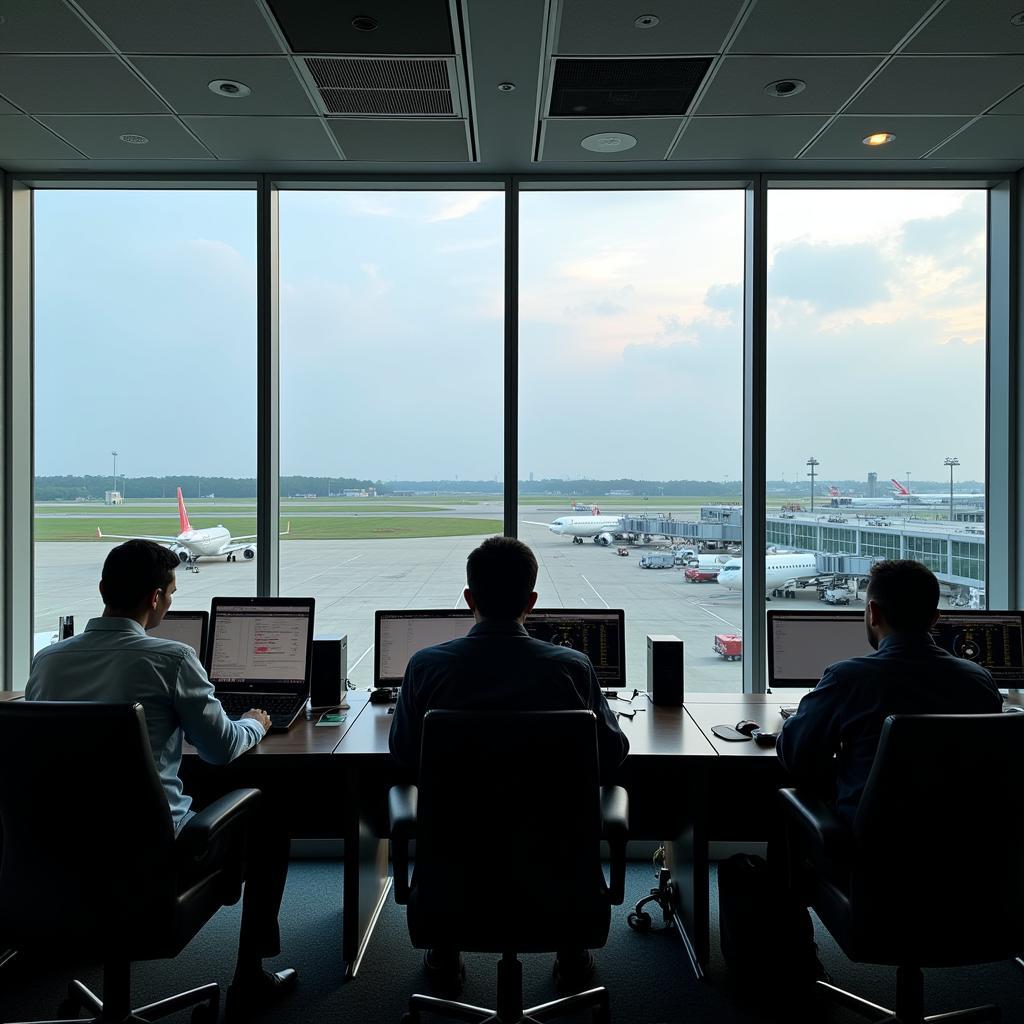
(594, 589)
(459, 599)
(317, 575)
(705, 608)
(361, 656)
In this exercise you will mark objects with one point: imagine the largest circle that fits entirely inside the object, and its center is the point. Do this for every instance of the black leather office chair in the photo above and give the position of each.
(932, 872)
(508, 819)
(90, 863)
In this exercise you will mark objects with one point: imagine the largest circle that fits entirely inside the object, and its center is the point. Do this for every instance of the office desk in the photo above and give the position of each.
(11, 695)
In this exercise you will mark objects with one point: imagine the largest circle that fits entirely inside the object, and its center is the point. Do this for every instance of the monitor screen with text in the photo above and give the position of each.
(989, 638)
(802, 644)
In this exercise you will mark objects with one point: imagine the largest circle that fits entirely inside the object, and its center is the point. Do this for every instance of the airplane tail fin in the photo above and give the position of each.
(898, 487)
(183, 514)
(288, 529)
(833, 491)
(596, 511)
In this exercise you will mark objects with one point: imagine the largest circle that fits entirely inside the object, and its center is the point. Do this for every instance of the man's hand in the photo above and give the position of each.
(258, 715)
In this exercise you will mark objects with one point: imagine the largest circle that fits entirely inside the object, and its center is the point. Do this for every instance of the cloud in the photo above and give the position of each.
(461, 204)
(830, 277)
(725, 297)
(948, 236)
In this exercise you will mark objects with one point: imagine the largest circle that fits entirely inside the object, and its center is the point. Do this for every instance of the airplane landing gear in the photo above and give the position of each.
(577, 540)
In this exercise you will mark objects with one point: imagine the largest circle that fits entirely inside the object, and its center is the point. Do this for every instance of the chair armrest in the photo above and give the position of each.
(216, 828)
(402, 803)
(615, 829)
(821, 832)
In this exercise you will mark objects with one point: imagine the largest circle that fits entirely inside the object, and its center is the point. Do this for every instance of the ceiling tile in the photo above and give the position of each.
(940, 85)
(75, 85)
(914, 137)
(22, 139)
(184, 26)
(739, 84)
(264, 138)
(184, 83)
(828, 26)
(44, 26)
(966, 26)
(561, 137)
(606, 27)
(7, 108)
(989, 138)
(99, 137)
(401, 141)
(739, 138)
(1013, 104)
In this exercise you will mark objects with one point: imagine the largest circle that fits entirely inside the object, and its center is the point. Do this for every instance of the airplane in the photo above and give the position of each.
(839, 500)
(903, 495)
(779, 570)
(190, 544)
(603, 529)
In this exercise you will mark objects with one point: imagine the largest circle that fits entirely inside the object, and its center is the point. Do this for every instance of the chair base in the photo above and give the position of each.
(912, 1010)
(510, 1003)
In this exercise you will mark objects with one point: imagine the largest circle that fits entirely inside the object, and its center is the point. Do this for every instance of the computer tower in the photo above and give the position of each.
(665, 670)
(329, 671)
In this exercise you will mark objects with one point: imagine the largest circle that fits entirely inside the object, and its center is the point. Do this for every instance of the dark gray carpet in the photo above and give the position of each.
(648, 976)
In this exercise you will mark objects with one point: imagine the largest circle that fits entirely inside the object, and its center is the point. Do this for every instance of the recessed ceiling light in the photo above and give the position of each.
(1018, 19)
(230, 89)
(506, 86)
(364, 23)
(879, 139)
(608, 142)
(785, 87)
(133, 140)
(647, 21)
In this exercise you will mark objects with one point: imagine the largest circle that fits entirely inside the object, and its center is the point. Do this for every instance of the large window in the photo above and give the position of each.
(145, 381)
(630, 413)
(876, 380)
(391, 400)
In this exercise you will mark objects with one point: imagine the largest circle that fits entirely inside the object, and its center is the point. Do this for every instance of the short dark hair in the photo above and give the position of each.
(906, 592)
(501, 575)
(132, 571)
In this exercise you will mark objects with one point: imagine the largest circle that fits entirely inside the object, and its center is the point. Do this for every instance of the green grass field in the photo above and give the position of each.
(321, 528)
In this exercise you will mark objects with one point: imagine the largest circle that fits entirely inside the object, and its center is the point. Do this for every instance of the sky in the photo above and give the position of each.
(630, 327)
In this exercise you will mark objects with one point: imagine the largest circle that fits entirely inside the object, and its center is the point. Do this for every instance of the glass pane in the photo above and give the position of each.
(876, 384)
(631, 412)
(391, 401)
(145, 381)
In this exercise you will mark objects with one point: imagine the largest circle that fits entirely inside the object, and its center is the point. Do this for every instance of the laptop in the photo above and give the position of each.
(260, 655)
(189, 628)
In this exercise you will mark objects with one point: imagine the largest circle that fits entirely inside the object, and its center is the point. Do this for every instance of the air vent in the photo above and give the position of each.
(625, 87)
(386, 86)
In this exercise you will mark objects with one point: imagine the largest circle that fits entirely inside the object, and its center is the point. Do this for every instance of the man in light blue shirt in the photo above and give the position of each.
(116, 660)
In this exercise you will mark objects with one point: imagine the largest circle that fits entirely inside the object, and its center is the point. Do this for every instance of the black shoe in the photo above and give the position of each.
(575, 974)
(247, 998)
(446, 970)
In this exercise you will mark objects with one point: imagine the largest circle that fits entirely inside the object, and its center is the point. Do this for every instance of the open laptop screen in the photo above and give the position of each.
(261, 644)
(187, 628)
(802, 644)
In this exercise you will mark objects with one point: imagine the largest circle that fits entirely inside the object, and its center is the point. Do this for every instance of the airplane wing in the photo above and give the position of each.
(530, 522)
(234, 547)
(252, 536)
(117, 536)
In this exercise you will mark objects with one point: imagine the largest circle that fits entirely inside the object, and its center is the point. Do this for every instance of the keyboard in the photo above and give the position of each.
(281, 708)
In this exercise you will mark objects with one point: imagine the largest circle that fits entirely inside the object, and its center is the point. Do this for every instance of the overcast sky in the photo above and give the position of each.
(392, 334)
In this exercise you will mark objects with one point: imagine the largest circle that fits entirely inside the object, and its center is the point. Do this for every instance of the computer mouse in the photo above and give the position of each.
(747, 727)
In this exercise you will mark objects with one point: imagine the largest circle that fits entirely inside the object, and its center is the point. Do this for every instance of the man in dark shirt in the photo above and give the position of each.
(499, 666)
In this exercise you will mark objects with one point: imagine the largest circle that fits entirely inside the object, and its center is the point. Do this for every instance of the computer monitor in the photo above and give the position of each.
(598, 633)
(994, 639)
(802, 644)
(189, 628)
(260, 644)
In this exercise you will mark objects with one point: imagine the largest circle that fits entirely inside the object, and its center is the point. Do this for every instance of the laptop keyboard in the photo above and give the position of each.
(236, 704)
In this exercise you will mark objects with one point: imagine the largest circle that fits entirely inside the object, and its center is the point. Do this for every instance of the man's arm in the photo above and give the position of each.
(215, 736)
(407, 723)
(809, 739)
(612, 745)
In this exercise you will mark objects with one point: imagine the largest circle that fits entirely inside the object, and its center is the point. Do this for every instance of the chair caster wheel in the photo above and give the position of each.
(204, 1013)
(639, 922)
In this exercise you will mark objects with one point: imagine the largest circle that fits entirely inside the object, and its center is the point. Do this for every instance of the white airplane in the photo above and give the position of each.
(779, 570)
(838, 500)
(603, 529)
(190, 545)
(904, 496)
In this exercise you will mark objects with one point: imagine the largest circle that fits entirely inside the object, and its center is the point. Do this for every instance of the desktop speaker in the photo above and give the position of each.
(329, 672)
(665, 670)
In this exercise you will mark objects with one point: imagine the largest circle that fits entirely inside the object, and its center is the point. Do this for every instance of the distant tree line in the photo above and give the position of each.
(68, 488)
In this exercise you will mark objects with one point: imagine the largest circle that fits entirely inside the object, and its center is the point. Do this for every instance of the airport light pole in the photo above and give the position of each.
(813, 463)
(951, 462)
(113, 486)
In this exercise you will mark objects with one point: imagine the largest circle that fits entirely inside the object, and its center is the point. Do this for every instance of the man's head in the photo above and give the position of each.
(138, 581)
(902, 597)
(501, 575)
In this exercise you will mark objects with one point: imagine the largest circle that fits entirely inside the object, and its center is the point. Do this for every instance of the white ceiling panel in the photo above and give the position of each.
(739, 84)
(1013, 104)
(990, 138)
(44, 26)
(100, 137)
(401, 141)
(184, 26)
(844, 138)
(940, 85)
(265, 138)
(740, 138)
(971, 26)
(21, 138)
(610, 27)
(184, 83)
(75, 85)
(828, 26)
(561, 137)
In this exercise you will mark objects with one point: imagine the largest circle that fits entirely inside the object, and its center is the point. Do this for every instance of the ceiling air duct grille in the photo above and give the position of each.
(386, 86)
